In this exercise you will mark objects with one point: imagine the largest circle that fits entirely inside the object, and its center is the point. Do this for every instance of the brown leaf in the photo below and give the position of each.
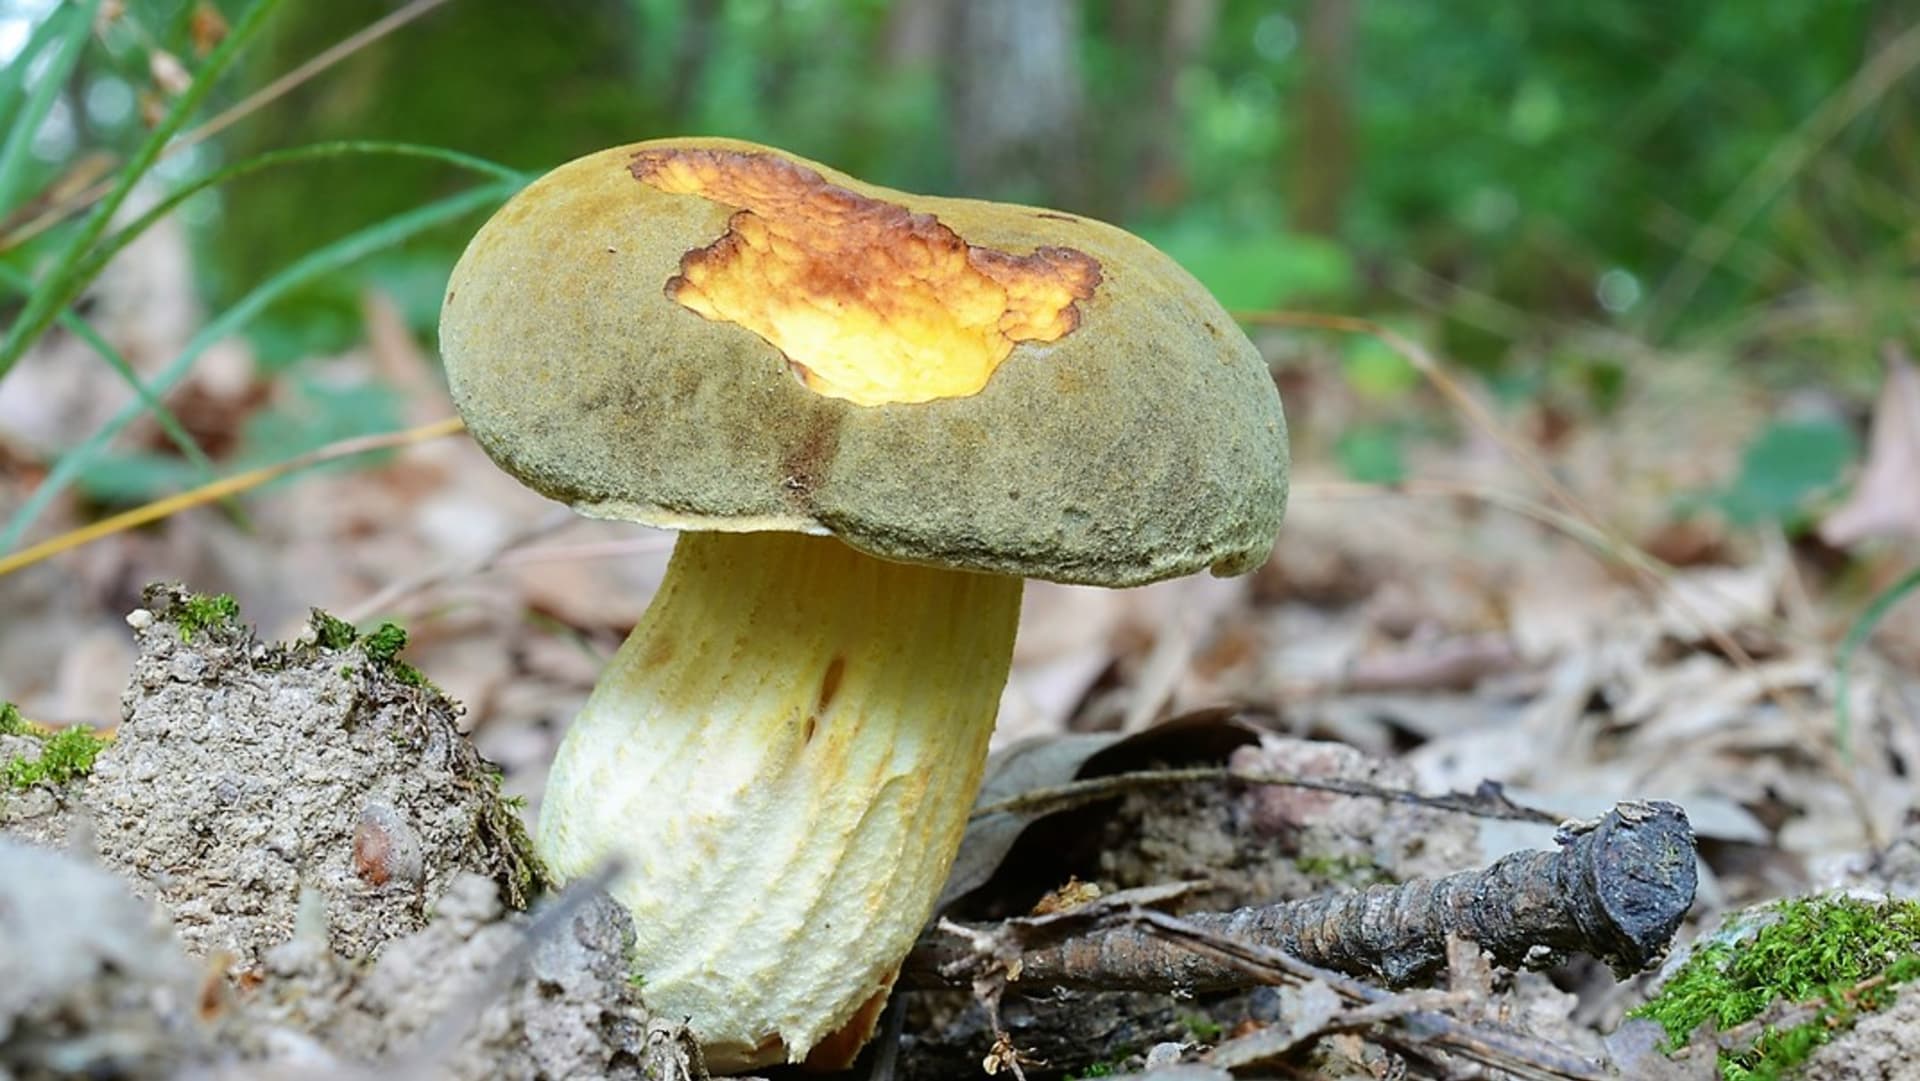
(207, 28)
(1886, 501)
(1202, 736)
(1022, 767)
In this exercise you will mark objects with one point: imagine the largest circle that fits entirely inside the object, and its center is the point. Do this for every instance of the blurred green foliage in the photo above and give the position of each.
(1512, 175)
(1559, 159)
(1786, 467)
(1372, 453)
(526, 84)
(309, 414)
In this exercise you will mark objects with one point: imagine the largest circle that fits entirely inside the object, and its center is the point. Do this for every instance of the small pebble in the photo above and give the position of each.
(1162, 1055)
(386, 848)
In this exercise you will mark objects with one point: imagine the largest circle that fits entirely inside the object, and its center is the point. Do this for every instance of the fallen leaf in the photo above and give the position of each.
(208, 28)
(1886, 501)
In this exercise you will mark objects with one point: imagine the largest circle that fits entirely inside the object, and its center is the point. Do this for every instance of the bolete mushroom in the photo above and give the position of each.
(872, 414)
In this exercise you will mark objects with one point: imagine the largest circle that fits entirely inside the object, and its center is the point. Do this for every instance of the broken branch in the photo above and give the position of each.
(1615, 889)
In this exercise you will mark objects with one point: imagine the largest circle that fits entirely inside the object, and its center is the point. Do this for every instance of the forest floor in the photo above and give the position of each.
(1457, 628)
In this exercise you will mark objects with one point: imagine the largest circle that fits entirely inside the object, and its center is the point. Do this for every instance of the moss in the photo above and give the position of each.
(205, 612)
(383, 648)
(1805, 951)
(1344, 870)
(1204, 1029)
(64, 756)
(520, 874)
(331, 632)
(386, 642)
(11, 723)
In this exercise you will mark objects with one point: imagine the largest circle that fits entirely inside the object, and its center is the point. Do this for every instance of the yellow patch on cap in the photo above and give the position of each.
(867, 300)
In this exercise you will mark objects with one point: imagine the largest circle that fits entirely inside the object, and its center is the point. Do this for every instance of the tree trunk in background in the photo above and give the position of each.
(1161, 177)
(912, 36)
(1014, 99)
(690, 57)
(1322, 154)
(529, 84)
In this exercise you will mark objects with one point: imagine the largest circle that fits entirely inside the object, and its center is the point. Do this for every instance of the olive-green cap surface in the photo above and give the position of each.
(708, 334)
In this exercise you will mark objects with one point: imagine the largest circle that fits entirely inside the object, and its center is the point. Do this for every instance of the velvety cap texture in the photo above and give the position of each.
(709, 334)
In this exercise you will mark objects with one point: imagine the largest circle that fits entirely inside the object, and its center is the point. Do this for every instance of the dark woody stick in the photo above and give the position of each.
(1615, 889)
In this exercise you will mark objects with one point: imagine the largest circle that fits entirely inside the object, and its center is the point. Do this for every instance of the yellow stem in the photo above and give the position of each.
(783, 753)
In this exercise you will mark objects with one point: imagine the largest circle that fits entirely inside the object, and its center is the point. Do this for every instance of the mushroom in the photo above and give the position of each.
(871, 414)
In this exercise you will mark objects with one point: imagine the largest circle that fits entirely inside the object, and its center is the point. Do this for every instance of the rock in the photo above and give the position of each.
(1881, 1046)
(244, 774)
(94, 986)
(311, 817)
(569, 1011)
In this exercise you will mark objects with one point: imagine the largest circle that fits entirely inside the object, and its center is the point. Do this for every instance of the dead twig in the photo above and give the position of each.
(1400, 1024)
(1488, 802)
(1332, 1002)
(1615, 889)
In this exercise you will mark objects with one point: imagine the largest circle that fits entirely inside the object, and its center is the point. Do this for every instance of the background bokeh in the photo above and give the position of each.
(1543, 192)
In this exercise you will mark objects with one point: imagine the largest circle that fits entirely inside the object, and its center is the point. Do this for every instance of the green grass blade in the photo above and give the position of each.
(110, 247)
(63, 282)
(1857, 636)
(14, 152)
(13, 77)
(341, 252)
(84, 331)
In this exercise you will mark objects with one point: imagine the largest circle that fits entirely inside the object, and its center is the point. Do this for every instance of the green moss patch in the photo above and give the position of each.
(332, 632)
(382, 646)
(11, 723)
(205, 612)
(1202, 1028)
(65, 755)
(1806, 951)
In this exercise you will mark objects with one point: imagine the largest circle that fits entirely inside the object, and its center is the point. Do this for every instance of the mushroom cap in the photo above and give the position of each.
(979, 385)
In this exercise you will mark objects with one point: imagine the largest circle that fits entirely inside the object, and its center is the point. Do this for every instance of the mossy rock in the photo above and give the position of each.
(1819, 950)
(246, 775)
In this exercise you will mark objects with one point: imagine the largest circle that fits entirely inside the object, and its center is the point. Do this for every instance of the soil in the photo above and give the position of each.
(96, 984)
(1259, 845)
(297, 862)
(1882, 1046)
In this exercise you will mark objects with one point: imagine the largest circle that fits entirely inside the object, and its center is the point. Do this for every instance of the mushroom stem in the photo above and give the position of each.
(784, 753)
